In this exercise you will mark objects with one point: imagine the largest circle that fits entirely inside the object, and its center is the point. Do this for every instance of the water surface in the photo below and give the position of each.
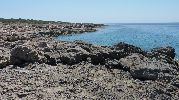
(146, 36)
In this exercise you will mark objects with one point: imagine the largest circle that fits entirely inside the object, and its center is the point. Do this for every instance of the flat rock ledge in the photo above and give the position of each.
(37, 67)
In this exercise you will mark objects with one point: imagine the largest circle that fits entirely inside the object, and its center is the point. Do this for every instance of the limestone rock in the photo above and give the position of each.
(74, 56)
(146, 69)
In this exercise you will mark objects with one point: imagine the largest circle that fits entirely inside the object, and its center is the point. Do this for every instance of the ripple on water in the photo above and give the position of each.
(147, 36)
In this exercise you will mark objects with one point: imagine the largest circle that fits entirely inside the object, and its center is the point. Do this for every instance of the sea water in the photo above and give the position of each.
(145, 35)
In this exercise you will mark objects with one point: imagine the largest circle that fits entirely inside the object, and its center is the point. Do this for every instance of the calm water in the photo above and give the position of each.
(146, 36)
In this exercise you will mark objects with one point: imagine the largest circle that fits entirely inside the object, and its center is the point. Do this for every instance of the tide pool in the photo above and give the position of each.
(146, 36)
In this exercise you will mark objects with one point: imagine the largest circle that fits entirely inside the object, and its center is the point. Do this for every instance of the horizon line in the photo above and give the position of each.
(172, 22)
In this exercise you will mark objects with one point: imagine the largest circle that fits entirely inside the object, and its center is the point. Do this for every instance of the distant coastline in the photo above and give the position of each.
(52, 28)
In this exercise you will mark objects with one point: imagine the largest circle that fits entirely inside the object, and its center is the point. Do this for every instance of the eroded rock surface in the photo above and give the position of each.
(22, 54)
(43, 68)
(4, 57)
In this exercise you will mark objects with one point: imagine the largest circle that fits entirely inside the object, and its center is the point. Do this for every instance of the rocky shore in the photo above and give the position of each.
(42, 27)
(36, 66)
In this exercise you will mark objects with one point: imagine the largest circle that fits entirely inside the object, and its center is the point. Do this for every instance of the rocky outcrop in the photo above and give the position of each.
(53, 58)
(43, 68)
(145, 69)
(165, 54)
(74, 55)
(127, 48)
(168, 52)
(26, 54)
(132, 60)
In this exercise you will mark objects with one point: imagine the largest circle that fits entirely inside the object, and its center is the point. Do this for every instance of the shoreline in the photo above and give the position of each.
(51, 28)
(36, 66)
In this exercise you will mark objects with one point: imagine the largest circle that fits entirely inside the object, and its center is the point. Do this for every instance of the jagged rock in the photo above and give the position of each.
(145, 69)
(74, 56)
(128, 48)
(73, 69)
(4, 57)
(78, 70)
(43, 44)
(98, 57)
(101, 54)
(22, 54)
(53, 58)
(113, 64)
(167, 51)
(132, 60)
(3, 61)
(86, 46)
(175, 82)
(118, 51)
(164, 54)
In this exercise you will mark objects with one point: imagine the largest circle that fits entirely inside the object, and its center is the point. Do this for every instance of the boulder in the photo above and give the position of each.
(74, 55)
(150, 71)
(26, 54)
(143, 68)
(128, 48)
(132, 60)
(100, 56)
(168, 51)
(96, 54)
(164, 54)
(53, 58)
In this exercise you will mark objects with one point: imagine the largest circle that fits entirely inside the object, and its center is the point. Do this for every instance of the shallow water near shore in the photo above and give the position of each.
(146, 36)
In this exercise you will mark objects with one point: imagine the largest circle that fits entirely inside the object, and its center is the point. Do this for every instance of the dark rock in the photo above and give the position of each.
(128, 48)
(167, 51)
(101, 54)
(53, 58)
(175, 82)
(43, 44)
(98, 58)
(22, 54)
(144, 72)
(74, 56)
(113, 64)
(164, 54)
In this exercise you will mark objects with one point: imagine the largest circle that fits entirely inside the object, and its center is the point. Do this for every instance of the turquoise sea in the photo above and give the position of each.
(145, 35)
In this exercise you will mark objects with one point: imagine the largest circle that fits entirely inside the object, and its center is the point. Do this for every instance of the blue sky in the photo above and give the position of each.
(97, 11)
